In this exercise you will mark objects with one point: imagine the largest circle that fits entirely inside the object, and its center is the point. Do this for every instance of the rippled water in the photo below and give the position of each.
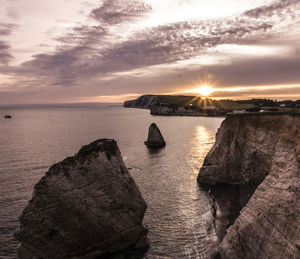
(179, 217)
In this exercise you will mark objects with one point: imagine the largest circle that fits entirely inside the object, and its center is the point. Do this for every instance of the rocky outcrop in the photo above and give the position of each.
(155, 138)
(143, 102)
(262, 151)
(86, 206)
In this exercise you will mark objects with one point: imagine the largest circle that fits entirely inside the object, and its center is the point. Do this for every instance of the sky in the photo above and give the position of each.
(64, 51)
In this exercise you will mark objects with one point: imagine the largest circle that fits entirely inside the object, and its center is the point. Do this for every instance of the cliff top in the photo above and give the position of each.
(256, 114)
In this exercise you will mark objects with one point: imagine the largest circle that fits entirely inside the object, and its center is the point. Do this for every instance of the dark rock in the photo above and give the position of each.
(86, 206)
(155, 138)
(264, 152)
(7, 116)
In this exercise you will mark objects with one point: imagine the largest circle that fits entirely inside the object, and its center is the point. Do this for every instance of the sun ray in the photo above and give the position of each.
(204, 90)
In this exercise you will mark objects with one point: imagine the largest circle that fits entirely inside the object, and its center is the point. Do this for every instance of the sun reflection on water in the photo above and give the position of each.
(205, 139)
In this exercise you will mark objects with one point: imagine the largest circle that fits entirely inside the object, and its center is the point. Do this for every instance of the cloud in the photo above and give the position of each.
(271, 70)
(155, 46)
(89, 53)
(5, 30)
(175, 42)
(83, 35)
(276, 8)
(242, 72)
(118, 11)
(5, 56)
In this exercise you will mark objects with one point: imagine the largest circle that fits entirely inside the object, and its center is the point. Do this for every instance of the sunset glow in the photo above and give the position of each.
(204, 90)
(63, 51)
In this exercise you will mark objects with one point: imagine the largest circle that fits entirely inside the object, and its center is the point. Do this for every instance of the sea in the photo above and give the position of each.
(179, 215)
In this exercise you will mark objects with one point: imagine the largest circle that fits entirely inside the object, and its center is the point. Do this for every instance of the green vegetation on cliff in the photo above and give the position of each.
(184, 105)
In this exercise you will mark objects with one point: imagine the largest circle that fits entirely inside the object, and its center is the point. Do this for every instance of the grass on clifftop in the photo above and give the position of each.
(181, 100)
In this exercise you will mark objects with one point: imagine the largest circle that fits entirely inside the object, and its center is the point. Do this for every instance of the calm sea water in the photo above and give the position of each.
(179, 217)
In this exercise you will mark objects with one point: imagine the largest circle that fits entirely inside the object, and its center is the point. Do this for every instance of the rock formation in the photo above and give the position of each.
(260, 150)
(86, 206)
(143, 102)
(155, 138)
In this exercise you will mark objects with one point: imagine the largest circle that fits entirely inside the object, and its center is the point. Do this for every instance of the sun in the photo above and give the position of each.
(204, 90)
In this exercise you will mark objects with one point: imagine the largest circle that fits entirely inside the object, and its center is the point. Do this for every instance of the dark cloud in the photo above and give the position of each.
(275, 8)
(259, 71)
(118, 11)
(156, 46)
(5, 56)
(61, 68)
(175, 42)
(84, 35)
(5, 30)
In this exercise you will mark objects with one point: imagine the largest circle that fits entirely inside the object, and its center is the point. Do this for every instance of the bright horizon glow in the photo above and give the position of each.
(257, 88)
(204, 90)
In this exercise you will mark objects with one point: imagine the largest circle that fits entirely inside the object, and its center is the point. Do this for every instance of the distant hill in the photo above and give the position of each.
(147, 101)
(196, 106)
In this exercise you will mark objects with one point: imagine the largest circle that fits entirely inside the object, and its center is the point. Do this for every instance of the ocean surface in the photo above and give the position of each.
(179, 215)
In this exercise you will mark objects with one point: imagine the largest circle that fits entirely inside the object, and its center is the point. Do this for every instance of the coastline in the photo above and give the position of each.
(195, 106)
(259, 156)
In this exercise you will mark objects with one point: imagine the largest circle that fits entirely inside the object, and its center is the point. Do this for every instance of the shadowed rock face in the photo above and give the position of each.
(86, 206)
(261, 151)
(155, 138)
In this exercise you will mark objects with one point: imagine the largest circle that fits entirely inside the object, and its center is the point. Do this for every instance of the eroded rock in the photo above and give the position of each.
(86, 206)
(261, 151)
(155, 138)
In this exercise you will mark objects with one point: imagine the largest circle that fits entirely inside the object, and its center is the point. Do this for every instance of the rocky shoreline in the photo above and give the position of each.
(257, 154)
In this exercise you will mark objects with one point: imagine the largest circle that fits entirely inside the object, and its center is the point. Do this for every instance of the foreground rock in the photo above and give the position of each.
(86, 206)
(260, 151)
(155, 138)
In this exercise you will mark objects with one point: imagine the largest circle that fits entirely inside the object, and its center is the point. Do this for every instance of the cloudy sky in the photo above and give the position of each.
(91, 50)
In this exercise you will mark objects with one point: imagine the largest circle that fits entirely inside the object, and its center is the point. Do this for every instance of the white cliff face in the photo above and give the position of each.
(262, 150)
(244, 149)
(85, 206)
(144, 102)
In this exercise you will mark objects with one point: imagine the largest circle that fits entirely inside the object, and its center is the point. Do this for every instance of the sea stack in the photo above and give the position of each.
(86, 206)
(260, 151)
(155, 138)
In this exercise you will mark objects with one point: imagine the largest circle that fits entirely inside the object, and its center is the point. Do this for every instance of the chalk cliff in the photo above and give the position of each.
(262, 151)
(143, 102)
(86, 206)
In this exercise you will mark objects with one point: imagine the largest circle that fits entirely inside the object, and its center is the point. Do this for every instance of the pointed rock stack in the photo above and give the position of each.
(155, 138)
(86, 206)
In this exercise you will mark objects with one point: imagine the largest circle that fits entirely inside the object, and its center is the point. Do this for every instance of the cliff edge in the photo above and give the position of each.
(143, 102)
(261, 151)
(86, 206)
